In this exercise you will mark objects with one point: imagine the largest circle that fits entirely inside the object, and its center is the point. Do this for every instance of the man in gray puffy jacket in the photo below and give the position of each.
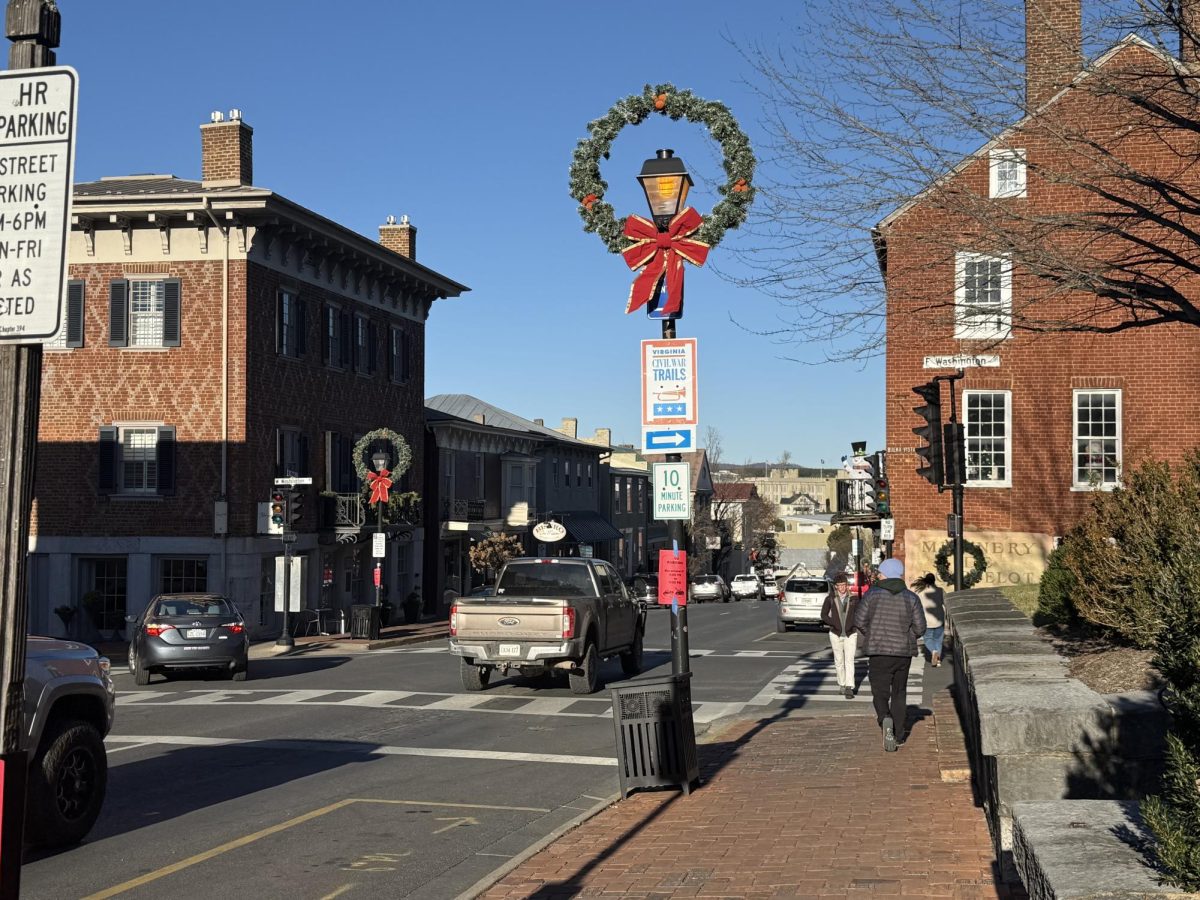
(891, 620)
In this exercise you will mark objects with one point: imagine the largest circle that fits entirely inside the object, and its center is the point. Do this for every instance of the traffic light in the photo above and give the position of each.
(883, 501)
(278, 510)
(295, 506)
(956, 463)
(931, 454)
(867, 472)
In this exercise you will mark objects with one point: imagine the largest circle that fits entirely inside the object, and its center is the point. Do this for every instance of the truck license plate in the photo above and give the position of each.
(510, 649)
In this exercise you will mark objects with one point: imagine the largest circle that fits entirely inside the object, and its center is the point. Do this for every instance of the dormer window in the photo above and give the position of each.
(1007, 173)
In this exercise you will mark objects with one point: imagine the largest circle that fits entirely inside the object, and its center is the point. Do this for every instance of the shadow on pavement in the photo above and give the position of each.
(286, 666)
(185, 779)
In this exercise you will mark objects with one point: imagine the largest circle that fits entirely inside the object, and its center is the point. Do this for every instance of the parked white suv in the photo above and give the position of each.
(801, 602)
(746, 587)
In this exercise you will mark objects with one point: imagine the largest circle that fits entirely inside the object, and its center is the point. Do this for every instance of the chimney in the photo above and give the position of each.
(541, 423)
(226, 151)
(479, 418)
(399, 237)
(1053, 48)
(603, 436)
(569, 427)
(1189, 32)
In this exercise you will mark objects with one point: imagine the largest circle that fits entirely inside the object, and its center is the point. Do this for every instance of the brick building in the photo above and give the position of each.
(220, 335)
(1049, 417)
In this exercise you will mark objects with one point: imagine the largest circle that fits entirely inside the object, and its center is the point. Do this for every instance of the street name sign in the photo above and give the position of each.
(37, 164)
(669, 382)
(292, 481)
(378, 545)
(672, 491)
(669, 440)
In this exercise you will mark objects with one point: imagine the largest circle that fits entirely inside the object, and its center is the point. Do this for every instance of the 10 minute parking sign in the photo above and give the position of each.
(37, 165)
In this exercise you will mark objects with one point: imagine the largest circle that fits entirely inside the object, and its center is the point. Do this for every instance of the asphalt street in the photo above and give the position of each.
(375, 774)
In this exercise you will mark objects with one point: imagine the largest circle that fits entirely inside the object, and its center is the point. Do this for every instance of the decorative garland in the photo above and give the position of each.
(401, 454)
(942, 562)
(588, 187)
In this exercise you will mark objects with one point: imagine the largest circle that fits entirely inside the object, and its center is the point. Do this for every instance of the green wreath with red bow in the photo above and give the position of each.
(588, 186)
(942, 563)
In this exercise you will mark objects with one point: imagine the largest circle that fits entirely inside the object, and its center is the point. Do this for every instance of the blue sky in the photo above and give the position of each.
(463, 115)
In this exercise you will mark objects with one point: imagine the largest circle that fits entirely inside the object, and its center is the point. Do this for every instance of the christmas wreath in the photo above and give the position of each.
(401, 454)
(588, 187)
(942, 562)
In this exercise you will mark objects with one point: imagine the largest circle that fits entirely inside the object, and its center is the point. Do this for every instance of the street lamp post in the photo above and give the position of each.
(666, 182)
(380, 460)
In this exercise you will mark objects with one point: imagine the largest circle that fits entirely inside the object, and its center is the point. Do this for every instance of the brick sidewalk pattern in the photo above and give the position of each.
(799, 807)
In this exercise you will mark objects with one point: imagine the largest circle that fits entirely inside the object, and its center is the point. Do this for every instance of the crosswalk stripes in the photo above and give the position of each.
(492, 702)
(814, 679)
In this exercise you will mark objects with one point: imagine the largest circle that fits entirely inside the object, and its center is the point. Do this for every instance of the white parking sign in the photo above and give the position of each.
(37, 161)
(672, 491)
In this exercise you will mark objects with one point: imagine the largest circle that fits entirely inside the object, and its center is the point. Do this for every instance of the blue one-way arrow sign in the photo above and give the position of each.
(669, 440)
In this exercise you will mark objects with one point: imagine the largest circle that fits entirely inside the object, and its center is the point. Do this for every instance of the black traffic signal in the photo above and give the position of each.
(278, 508)
(956, 463)
(883, 501)
(295, 506)
(931, 454)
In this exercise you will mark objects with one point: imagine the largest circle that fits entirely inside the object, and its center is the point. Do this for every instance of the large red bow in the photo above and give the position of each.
(662, 253)
(379, 486)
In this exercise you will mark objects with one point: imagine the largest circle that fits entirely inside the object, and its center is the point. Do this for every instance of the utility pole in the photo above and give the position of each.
(33, 26)
(954, 445)
(677, 537)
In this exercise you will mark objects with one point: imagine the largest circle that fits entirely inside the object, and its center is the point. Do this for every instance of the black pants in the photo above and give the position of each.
(889, 686)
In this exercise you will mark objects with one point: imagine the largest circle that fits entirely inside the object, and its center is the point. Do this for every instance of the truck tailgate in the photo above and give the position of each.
(498, 621)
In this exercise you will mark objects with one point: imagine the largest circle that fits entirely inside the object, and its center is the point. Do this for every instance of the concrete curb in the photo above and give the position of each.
(537, 847)
(346, 646)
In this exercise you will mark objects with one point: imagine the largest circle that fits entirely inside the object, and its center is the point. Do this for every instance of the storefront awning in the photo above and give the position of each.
(588, 527)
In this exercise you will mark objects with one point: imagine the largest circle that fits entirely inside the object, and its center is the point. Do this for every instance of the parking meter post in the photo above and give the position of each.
(34, 28)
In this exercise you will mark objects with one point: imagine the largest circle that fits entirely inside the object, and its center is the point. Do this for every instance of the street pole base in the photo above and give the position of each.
(285, 640)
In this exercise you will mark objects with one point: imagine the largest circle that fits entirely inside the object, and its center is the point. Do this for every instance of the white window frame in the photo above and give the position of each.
(1008, 435)
(1076, 484)
(998, 158)
(141, 325)
(151, 465)
(967, 328)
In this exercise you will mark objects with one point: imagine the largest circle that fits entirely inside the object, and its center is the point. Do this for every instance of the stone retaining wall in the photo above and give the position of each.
(1035, 733)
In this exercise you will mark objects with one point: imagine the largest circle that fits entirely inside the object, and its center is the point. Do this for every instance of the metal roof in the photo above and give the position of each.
(152, 185)
(464, 406)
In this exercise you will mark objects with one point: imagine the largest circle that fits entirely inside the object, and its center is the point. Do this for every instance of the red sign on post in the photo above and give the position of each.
(672, 577)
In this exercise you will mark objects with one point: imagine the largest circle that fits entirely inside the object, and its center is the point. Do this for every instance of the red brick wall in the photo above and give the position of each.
(96, 385)
(227, 152)
(1154, 367)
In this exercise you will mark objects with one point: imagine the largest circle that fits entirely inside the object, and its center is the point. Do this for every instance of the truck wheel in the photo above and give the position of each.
(586, 680)
(631, 659)
(474, 678)
(66, 784)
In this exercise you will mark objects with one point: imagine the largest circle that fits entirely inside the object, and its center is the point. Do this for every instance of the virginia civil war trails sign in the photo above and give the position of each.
(37, 162)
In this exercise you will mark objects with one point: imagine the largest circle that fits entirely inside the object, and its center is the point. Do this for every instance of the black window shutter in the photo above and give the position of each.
(326, 319)
(75, 291)
(280, 297)
(303, 448)
(279, 473)
(405, 354)
(171, 303)
(107, 482)
(166, 459)
(372, 348)
(118, 313)
(347, 338)
(390, 353)
(357, 359)
(301, 327)
(330, 461)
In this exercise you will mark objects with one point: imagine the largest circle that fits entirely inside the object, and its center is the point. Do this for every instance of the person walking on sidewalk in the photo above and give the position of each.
(838, 613)
(891, 619)
(933, 600)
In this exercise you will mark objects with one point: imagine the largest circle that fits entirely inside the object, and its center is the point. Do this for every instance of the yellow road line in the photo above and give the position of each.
(283, 826)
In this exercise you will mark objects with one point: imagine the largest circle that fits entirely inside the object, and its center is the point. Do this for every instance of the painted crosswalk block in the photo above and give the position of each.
(692, 651)
(813, 679)
(493, 702)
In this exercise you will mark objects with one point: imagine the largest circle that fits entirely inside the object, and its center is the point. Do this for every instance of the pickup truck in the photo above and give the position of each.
(548, 615)
(69, 700)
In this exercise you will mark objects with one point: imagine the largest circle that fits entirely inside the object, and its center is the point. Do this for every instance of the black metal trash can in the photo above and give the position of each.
(656, 738)
(364, 622)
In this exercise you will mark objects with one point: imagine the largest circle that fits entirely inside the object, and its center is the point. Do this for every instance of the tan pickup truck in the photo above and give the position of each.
(548, 615)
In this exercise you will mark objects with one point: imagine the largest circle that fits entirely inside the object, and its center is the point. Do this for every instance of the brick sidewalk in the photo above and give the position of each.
(801, 807)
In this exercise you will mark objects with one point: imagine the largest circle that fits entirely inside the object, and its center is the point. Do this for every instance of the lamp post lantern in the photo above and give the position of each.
(379, 459)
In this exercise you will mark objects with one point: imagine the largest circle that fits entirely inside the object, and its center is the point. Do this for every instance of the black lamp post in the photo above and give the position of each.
(380, 460)
(666, 182)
